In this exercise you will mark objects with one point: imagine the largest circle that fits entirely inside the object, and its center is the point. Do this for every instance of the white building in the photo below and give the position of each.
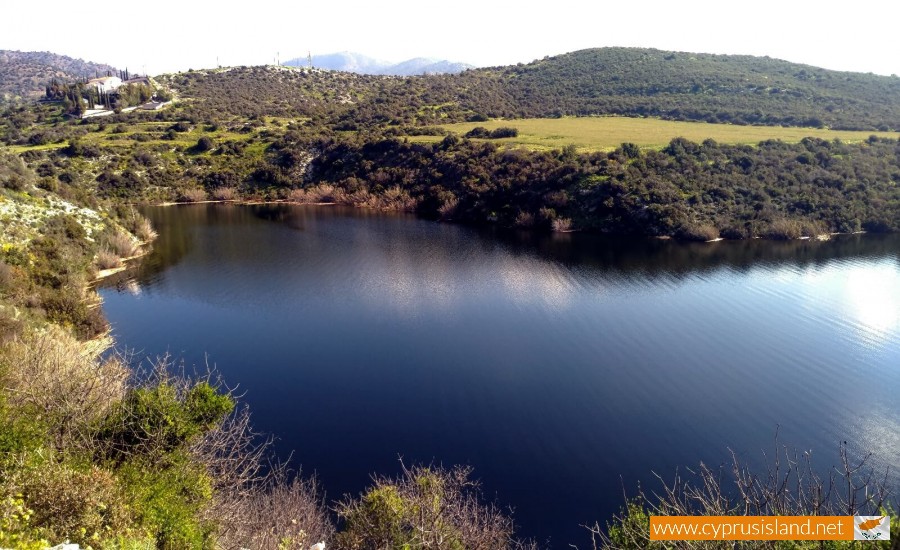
(105, 84)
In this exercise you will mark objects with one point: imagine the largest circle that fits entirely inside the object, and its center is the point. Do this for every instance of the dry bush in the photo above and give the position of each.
(144, 230)
(323, 192)
(107, 259)
(396, 198)
(698, 232)
(7, 276)
(10, 326)
(224, 193)
(789, 486)
(277, 514)
(524, 219)
(255, 504)
(360, 198)
(299, 195)
(784, 230)
(83, 505)
(58, 377)
(561, 224)
(425, 507)
(193, 195)
(447, 209)
(121, 244)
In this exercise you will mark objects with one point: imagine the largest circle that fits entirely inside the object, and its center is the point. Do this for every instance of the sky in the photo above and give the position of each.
(168, 36)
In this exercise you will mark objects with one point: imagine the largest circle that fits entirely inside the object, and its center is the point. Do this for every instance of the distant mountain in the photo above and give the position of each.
(423, 65)
(24, 75)
(357, 63)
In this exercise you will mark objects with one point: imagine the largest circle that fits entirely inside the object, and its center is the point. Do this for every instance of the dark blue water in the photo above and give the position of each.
(564, 369)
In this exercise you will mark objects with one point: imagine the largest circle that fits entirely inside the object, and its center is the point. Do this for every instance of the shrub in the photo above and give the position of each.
(77, 148)
(447, 209)
(561, 225)
(144, 230)
(224, 193)
(7, 276)
(162, 416)
(784, 230)
(299, 195)
(14, 174)
(10, 328)
(524, 219)
(698, 232)
(504, 132)
(15, 526)
(478, 132)
(193, 195)
(67, 307)
(57, 378)
(204, 144)
(788, 487)
(278, 514)
(83, 505)
(425, 507)
(121, 244)
(107, 259)
(168, 497)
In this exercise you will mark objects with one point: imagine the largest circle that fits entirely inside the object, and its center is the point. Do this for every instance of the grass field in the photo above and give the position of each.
(607, 133)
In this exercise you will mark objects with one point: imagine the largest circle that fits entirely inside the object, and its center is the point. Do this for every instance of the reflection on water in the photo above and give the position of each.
(560, 367)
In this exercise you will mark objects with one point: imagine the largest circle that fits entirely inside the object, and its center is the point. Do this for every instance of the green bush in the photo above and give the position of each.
(162, 418)
(426, 507)
(66, 307)
(15, 526)
(14, 174)
(168, 497)
(83, 504)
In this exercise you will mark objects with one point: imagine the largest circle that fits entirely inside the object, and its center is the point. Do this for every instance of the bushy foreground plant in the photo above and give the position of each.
(425, 507)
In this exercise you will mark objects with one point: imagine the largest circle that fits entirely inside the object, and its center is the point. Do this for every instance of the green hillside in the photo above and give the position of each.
(24, 75)
(689, 86)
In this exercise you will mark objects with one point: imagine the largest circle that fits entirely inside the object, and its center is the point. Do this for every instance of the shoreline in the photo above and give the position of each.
(106, 273)
(823, 237)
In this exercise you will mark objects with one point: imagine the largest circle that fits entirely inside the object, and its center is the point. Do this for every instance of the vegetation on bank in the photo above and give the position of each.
(685, 189)
(689, 190)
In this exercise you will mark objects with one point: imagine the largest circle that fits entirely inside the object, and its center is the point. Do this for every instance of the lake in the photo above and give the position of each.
(564, 369)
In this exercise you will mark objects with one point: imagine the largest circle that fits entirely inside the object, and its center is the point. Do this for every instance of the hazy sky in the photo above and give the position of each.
(165, 35)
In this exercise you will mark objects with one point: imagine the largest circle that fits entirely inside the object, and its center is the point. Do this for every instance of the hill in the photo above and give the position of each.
(24, 75)
(692, 86)
(361, 64)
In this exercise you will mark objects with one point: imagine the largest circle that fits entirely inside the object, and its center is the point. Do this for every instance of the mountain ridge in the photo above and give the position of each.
(362, 64)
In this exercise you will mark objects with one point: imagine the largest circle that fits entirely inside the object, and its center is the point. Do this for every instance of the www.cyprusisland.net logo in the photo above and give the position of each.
(871, 528)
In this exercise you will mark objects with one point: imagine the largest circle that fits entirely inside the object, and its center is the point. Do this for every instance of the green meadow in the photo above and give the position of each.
(607, 133)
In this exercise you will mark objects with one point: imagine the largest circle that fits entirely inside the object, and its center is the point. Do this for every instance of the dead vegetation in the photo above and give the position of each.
(788, 485)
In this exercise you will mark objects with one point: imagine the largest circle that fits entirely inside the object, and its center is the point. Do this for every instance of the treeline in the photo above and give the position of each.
(80, 96)
(687, 190)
